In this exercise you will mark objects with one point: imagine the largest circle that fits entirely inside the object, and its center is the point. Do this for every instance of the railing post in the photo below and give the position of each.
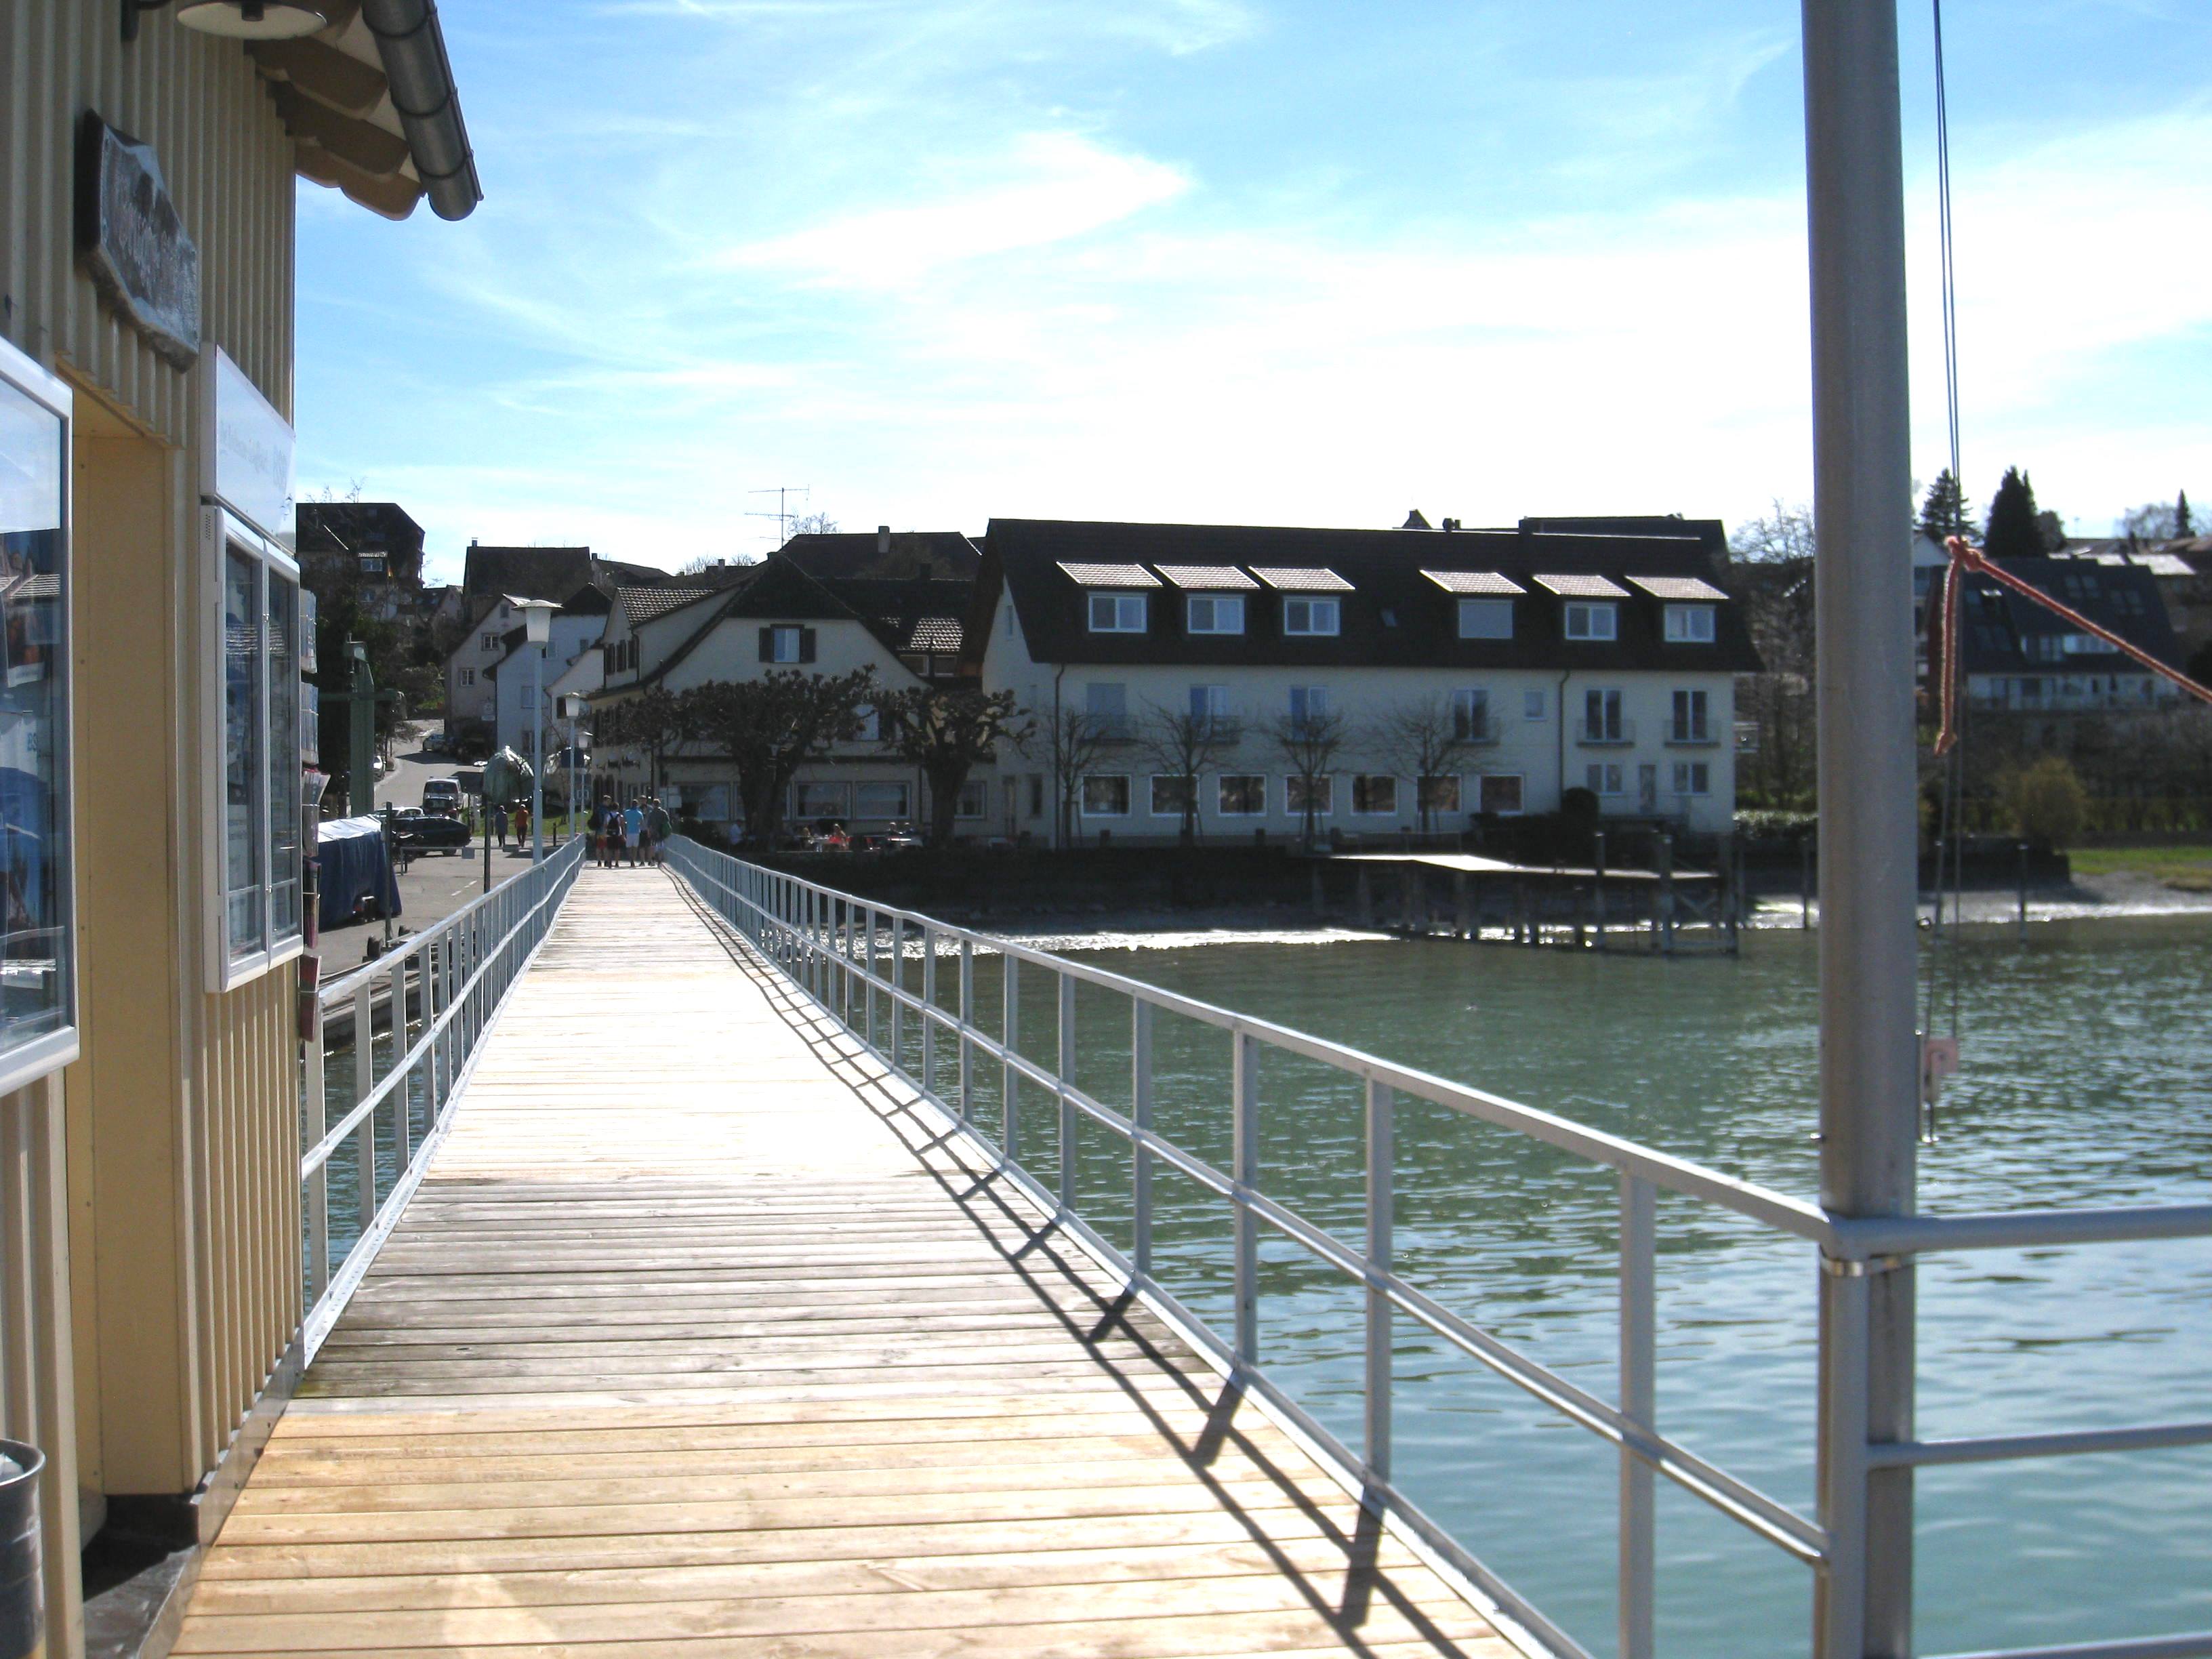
(1141, 1114)
(364, 1080)
(403, 1127)
(1244, 1076)
(1640, 1405)
(1009, 1093)
(1868, 946)
(1064, 1070)
(319, 1183)
(845, 943)
(967, 1026)
(897, 978)
(928, 1012)
(1382, 1207)
(868, 980)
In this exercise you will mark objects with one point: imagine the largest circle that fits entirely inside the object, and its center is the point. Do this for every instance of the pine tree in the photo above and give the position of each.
(2012, 532)
(2182, 526)
(1944, 510)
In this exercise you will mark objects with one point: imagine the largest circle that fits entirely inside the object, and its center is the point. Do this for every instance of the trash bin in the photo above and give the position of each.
(22, 1592)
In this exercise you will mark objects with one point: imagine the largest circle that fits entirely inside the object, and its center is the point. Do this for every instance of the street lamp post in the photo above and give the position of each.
(575, 701)
(537, 620)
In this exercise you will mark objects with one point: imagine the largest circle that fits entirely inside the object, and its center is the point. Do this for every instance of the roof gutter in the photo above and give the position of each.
(423, 96)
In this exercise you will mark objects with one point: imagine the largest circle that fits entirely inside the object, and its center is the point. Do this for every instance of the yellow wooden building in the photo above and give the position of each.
(150, 926)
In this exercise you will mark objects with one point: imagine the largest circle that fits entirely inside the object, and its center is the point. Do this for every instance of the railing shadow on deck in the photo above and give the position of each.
(979, 1188)
(844, 958)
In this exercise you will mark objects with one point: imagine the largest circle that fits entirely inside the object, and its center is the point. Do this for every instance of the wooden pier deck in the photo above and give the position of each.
(689, 1346)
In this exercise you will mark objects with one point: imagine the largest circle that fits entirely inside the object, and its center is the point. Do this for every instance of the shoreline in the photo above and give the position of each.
(2124, 896)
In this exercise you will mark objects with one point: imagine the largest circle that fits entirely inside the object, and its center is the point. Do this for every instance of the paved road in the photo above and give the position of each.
(432, 888)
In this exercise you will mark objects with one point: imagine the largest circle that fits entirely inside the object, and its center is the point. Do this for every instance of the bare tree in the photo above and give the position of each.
(1419, 737)
(947, 732)
(1771, 579)
(1185, 746)
(771, 727)
(1070, 745)
(1309, 745)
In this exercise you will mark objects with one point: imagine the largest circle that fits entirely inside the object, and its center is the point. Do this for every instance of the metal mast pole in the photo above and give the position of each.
(537, 758)
(1869, 1064)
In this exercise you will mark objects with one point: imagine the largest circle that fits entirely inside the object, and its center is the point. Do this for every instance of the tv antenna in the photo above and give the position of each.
(782, 515)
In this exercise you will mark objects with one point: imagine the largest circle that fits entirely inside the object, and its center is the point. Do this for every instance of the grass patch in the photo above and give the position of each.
(2185, 869)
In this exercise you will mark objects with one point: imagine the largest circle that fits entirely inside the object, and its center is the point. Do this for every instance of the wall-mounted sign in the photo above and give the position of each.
(252, 449)
(133, 242)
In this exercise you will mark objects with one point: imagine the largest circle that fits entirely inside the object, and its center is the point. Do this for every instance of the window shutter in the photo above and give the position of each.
(767, 645)
(806, 645)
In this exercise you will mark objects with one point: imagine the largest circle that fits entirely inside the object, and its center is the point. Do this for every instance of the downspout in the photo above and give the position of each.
(1061, 803)
(413, 50)
(1559, 698)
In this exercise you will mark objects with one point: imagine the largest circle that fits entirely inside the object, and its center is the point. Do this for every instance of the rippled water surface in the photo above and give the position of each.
(2086, 1082)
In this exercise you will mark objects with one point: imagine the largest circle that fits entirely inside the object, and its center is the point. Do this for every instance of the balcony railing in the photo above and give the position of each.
(1692, 735)
(1606, 734)
(1480, 732)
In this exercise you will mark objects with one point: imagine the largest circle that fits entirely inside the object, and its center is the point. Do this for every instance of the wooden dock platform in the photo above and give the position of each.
(689, 1344)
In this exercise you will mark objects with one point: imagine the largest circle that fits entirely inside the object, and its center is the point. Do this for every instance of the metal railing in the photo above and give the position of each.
(433, 996)
(850, 954)
(1615, 733)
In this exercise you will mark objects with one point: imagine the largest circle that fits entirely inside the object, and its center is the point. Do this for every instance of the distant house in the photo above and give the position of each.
(521, 712)
(2019, 659)
(902, 618)
(492, 579)
(375, 547)
(1565, 660)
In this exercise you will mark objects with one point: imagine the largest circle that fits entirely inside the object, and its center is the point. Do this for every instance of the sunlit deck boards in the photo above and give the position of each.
(683, 1349)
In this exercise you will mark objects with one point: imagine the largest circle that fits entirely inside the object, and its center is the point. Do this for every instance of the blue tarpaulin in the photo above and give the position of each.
(353, 865)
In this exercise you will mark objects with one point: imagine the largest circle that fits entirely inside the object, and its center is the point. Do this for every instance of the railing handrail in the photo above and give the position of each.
(808, 930)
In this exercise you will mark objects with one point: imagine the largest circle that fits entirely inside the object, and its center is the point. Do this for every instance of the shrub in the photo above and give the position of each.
(1773, 825)
(2049, 806)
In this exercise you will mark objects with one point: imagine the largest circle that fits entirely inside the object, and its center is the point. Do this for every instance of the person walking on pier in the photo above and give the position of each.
(658, 828)
(633, 831)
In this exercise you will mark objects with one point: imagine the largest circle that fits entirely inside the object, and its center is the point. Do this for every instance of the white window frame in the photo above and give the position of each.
(1534, 703)
(1685, 779)
(1316, 701)
(49, 1051)
(1128, 795)
(1389, 811)
(842, 812)
(1690, 624)
(1589, 614)
(1607, 779)
(905, 799)
(1324, 785)
(1474, 613)
(977, 790)
(1311, 617)
(1125, 612)
(1471, 713)
(1225, 613)
(1221, 805)
(223, 532)
(1482, 793)
(1152, 795)
(778, 634)
(1445, 783)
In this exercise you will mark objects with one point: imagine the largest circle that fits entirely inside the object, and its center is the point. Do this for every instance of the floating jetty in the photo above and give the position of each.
(1662, 912)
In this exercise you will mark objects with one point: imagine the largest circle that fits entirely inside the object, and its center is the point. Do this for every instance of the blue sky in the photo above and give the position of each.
(1231, 260)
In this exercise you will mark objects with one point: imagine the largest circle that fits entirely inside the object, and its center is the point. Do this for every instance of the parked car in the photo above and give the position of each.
(901, 836)
(435, 744)
(442, 796)
(430, 832)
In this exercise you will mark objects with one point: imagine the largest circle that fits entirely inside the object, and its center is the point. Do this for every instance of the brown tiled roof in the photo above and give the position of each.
(1580, 587)
(1302, 579)
(1678, 588)
(1109, 576)
(1474, 582)
(1208, 577)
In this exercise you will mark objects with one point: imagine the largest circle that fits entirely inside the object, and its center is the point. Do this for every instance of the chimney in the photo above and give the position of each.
(882, 538)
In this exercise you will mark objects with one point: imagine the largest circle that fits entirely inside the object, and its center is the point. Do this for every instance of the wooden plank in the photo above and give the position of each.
(694, 1347)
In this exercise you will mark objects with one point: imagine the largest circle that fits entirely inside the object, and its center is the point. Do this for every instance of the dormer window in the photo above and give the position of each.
(1309, 617)
(1689, 624)
(1587, 619)
(1117, 613)
(1216, 613)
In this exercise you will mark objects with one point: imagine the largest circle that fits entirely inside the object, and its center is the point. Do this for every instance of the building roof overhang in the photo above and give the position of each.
(372, 108)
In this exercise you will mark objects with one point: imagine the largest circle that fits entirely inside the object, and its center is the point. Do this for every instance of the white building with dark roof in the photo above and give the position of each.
(1558, 660)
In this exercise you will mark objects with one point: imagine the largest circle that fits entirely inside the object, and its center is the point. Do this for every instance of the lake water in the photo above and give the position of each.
(2088, 1079)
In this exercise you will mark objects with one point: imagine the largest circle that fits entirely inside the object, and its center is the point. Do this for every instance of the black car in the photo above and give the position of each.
(430, 832)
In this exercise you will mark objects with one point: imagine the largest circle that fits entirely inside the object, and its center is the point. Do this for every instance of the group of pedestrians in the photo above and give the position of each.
(633, 835)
